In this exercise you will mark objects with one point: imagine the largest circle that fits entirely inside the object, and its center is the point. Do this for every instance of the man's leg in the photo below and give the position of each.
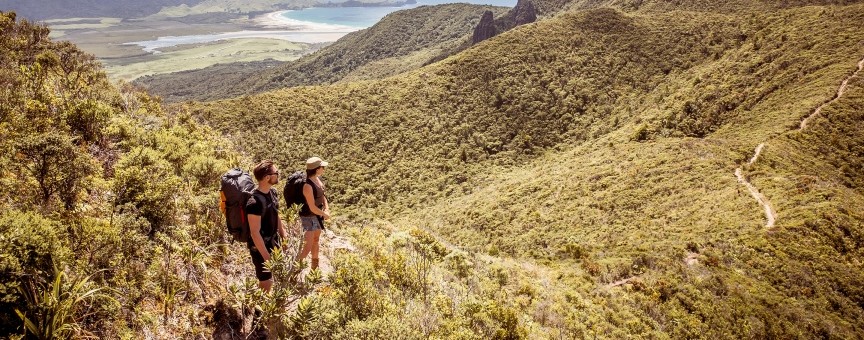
(265, 278)
(266, 285)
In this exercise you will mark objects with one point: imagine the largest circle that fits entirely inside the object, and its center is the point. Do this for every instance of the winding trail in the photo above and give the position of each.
(770, 214)
(837, 96)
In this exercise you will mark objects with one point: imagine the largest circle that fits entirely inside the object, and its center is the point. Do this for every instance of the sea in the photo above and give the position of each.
(363, 17)
(310, 25)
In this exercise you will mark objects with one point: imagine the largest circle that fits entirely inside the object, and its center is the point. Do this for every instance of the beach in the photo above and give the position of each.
(279, 20)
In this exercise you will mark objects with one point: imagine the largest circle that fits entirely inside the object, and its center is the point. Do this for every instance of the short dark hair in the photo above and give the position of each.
(262, 169)
(310, 172)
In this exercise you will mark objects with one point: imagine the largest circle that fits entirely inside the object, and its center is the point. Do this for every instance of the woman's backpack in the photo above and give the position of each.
(293, 191)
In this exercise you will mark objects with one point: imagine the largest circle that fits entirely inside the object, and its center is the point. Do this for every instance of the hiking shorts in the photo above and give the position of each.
(311, 223)
(261, 272)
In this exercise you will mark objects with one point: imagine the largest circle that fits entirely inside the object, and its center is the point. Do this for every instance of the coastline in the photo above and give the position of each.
(278, 20)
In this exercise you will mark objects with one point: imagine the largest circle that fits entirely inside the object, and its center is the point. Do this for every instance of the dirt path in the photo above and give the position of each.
(837, 96)
(620, 282)
(770, 214)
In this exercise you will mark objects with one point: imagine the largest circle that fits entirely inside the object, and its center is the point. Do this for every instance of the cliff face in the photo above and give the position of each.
(485, 29)
(523, 13)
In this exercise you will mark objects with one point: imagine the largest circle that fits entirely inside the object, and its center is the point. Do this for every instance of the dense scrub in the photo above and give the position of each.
(108, 207)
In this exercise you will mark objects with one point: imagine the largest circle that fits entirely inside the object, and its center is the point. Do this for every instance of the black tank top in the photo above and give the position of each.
(318, 194)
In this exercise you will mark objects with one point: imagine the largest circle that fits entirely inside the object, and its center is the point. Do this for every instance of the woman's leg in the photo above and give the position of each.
(308, 242)
(316, 246)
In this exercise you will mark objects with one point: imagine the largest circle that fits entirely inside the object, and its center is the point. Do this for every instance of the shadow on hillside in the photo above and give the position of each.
(228, 324)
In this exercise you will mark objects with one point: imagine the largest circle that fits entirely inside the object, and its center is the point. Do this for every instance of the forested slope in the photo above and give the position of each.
(601, 145)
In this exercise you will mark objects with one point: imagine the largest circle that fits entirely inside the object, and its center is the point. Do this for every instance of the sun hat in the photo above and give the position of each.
(315, 162)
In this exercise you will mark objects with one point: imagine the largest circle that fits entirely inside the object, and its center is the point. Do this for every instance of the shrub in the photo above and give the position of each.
(147, 181)
(32, 246)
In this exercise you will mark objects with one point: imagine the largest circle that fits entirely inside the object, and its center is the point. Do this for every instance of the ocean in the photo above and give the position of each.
(310, 25)
(363, 17)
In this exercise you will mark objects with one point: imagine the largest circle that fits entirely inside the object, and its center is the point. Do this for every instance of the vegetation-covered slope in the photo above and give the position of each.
(572, 178)
(401, 41)
(107, 203)
(603, 145)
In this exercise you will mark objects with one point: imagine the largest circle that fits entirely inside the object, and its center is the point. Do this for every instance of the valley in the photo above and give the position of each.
(555, 169)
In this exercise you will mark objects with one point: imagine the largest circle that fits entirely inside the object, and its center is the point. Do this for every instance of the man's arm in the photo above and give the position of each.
(282, 231)
(255, 233)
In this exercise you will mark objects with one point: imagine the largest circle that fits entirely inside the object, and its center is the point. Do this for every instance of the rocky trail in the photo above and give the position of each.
(770, 213)
(330, 243)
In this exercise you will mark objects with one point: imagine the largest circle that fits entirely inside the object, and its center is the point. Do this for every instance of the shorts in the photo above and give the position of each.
(311, 223)
(261, 272)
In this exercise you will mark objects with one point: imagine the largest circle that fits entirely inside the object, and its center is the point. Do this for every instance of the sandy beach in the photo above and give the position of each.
(278, 20)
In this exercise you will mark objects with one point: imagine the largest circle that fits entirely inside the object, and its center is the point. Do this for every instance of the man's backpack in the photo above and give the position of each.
(293, 191)
(237, 187)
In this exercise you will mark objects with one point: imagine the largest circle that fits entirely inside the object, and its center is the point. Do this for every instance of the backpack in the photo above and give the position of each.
(237, 187)
(293, 191)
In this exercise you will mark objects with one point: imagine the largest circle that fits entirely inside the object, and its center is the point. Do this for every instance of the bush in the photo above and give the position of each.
(147, 181)
(32, 247)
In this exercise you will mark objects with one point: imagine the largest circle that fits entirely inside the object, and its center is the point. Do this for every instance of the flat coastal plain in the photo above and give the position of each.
(112, 40)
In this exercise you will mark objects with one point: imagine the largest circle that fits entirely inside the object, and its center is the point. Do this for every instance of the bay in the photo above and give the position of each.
(310, 25)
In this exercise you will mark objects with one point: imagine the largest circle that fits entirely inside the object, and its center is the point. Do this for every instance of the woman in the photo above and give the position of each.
(315, 211)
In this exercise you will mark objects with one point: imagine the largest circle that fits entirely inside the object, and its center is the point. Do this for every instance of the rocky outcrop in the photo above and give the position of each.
(485, 29)
(524, 12)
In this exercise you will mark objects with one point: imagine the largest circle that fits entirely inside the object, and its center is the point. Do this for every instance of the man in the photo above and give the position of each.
(262, 210)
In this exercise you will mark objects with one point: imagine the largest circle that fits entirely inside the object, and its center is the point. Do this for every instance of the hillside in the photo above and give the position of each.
(401, 41)
(570, 178)
(106, 205)
(599, 147)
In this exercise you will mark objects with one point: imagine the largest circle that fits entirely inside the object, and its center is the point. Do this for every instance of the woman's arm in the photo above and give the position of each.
(310, 202)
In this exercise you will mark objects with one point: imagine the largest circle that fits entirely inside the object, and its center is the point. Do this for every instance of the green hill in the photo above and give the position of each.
(570, 178)
(401, 41)
(602, 146)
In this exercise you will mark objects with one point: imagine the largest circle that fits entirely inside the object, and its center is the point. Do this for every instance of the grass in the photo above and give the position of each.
(188, 57)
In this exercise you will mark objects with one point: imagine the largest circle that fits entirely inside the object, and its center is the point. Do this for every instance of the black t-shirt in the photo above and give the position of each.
(266, 206)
